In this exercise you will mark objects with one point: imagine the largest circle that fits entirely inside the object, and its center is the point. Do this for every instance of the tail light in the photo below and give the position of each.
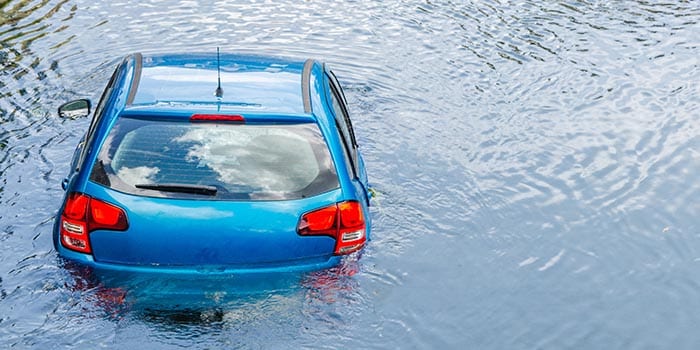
(343, 221)
(83, 214)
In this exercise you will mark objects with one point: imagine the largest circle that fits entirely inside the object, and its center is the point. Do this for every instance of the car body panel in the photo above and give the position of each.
(201, 232)
(247, 83)
(112, 103)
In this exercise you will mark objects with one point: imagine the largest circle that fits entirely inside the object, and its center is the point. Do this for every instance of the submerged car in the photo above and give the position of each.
(209, 162)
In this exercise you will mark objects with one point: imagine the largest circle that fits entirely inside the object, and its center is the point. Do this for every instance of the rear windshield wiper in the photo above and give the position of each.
(180, 188)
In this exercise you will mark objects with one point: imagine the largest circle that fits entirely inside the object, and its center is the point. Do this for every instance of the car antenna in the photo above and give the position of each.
(219, 91)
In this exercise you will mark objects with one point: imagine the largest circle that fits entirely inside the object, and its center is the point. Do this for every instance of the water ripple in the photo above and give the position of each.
(535, 164)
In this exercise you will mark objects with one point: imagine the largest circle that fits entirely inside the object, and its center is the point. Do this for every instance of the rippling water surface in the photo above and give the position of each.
(537, 162)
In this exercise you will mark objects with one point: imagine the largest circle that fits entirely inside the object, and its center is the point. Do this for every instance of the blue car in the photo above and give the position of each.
(215, 163)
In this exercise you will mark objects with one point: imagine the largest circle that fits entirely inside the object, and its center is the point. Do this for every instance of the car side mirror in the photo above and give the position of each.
(75, 109)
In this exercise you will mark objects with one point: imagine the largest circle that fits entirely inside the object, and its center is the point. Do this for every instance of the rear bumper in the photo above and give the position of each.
(296, 266)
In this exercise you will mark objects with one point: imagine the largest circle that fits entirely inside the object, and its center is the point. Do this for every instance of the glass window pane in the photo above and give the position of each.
(243, 161)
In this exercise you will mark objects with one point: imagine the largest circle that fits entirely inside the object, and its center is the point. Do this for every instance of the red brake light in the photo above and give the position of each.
(217, 118)
(318, 222)
(76, 206)
(82, 215)
(343, 221)
(106, 216)
(351, 214)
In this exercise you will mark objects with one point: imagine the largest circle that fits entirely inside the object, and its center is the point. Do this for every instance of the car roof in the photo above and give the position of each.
(188, 82)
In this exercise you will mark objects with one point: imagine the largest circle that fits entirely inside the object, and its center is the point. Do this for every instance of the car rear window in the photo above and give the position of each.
(226, 161)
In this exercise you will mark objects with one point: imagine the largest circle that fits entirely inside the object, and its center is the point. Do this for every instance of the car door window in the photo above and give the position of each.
(344, 103)
(346, 152)
(343, 122)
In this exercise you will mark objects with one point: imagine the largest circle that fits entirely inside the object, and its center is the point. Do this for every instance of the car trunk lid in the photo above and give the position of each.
(177, 232)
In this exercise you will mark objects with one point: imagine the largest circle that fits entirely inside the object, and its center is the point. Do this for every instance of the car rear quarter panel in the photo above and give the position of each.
(327, 124)
(116, 101)
(352, 188)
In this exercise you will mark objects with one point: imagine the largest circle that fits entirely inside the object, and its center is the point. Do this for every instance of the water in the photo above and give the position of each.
(537, 164)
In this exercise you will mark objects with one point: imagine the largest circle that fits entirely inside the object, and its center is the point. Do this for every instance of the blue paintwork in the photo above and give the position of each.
(249, 83)
(195, 236)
